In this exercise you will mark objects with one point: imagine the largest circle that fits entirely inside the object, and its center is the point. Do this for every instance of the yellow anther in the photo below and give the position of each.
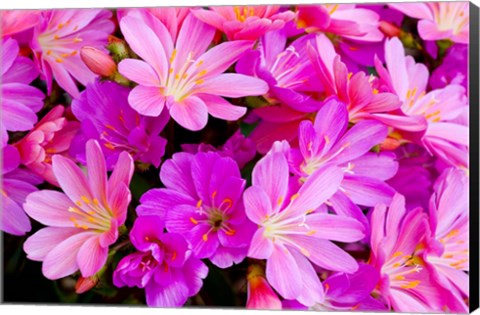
(95, 202)
(453, 233)
(350, 74)
(375, 91)
(214, 194)
(327, 139)
(60, 26)
(85, 199)
(193, 221)
(109, 146)
(304, 252)
(56, 37)
(59, 60)
(396, 254)
(294, 197)
(49, 52)
(200, 63)
(78, 203)
(411, 285)
(199, 81)
(311, 232)
(309, 211)
(230, 232)
(174, 54)
(399, 278)
(199, 203)
(205, 237)
(280, 201)
(202, 73)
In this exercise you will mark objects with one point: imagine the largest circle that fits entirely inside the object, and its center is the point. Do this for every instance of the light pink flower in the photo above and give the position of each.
(58, 38)
(181, 75)
(438, 109)
(448, 253)
(291, 236)
(439, 20)
(245, 22)
(51, 135)
(83, 221)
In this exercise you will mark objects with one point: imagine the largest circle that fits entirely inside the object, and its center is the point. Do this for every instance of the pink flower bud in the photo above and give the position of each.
(389, 29)
(85, 284)
(98, 61)
(259, 293)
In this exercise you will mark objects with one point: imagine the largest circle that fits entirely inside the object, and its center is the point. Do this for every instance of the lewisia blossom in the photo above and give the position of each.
(16, 185)
(449, 240)
(181, 75)
(83, 221)
(260, 294)
(291, 235)
(245, 22)
(163, 265)
(439, 20)
(51, 135)
(398, 241)
(16, 21)
(328, 141)
(106, 116)
(287, 70)
(439, 108)
(351, 292)
(203, 202)
(58, 38)
(19, 101)
(343, 20)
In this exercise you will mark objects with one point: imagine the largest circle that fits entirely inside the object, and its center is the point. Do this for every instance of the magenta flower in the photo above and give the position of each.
(16, 21)
(343, 20)
(181, 75)
(439, 20)
(84, 220)
(453, 70)
(287, 70)
(398, 242)
(19, 101)
(16, 185)
(444, 137)
(106, 116)
(448, 253)
(163, 265)
(290, 235)
(51, 135)
(239, 148)
(245, 22)
(327, 141)
(58, 38)
(203, 201)
(351, 292)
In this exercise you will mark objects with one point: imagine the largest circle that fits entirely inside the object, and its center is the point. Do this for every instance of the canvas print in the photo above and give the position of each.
(306, 157)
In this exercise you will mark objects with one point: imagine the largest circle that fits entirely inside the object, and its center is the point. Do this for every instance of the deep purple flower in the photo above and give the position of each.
(19, 101)
(203, 201)
(163, 265)
(106, 116)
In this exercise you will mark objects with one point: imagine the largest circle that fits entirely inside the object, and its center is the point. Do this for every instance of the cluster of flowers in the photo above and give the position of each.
(344, 186)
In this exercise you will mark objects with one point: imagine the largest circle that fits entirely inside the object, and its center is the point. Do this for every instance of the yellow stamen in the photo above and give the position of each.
(59, 60)
(202, 73)
(399, 278)
(304, 252)
(199, 203)
(327, 139)
(56, 37)
(205, 237)
(230, 232)
(95, 202)
(85, 199)
(294, 197)
(312, 232)
(174, 54)
(375, 91)
(398, 254)
(199, 81)
(411, 285)
(280, 201)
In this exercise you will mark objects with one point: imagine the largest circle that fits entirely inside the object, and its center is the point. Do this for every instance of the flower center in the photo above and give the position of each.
(90, 214)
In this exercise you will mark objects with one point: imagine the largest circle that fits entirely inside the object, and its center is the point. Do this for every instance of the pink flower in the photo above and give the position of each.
(84, 220)
(448, 253)
(398, 241)
(181, 75)
(438, 109)
(16, 185)
(16, 21)
(259, 293)
(51, 135)
(439, 20)
(363, 99)
(60, 35)
(19, 101)
(290, 235)
(344, 20)
(245, 22)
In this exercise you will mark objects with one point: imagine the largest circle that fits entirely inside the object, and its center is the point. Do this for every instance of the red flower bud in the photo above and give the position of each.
(85, 284)
(98, 61)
